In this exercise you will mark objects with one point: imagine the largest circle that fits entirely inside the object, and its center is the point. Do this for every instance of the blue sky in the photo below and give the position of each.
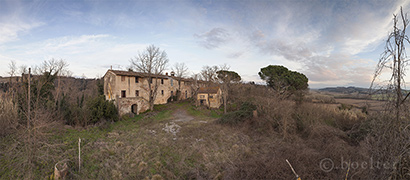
(334, 43)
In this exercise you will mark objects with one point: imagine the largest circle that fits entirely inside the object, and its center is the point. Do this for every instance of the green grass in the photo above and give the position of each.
(163, 115)
(202, 112)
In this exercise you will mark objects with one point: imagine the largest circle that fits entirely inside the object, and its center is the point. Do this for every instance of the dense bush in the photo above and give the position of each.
(240, 115)
(101, 109)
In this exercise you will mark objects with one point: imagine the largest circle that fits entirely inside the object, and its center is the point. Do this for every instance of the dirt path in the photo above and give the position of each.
(181, 115)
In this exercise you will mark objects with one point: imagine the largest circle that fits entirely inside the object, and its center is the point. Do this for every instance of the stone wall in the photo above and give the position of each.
(215, 100)
(125, 105)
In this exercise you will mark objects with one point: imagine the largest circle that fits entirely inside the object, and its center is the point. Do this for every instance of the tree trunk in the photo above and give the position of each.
(225, 96)
(150, 99)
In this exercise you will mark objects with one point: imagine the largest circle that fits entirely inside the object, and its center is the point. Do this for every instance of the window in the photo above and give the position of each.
(136, 79)
(137, 93)
(186, 94)
(122, 78)
(123, 93)
(162, 92)
(201, 96)
(162, 81)
(211, 96)
(172, 92)
(172, 82)
(150, 80)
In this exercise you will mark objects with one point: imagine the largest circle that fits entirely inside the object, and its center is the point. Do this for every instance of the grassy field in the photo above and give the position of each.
(335, 100)
(178, 141)
(181, 141)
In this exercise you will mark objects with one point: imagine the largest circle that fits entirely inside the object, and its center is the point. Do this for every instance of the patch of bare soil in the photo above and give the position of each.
(181, 115)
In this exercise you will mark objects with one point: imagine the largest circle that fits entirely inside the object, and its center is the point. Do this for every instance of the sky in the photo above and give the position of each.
(332, 42)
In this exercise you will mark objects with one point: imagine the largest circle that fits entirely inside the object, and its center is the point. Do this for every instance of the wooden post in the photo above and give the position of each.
(294, 172)
(79, 155)
(29, 100)
(30, 148)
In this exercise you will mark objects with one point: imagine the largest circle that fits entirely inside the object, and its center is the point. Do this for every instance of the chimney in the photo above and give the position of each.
(172, 73)
(111, 67)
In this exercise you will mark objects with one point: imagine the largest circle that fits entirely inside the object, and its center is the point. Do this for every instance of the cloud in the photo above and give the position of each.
(235, 55)
(213, 38)
(327, 45)
(14, 21)
(10, 31)
(318, 64)
(86, 54)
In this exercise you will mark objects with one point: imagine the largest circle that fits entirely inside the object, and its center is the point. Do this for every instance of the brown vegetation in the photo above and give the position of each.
(180, 141)
(260, 131)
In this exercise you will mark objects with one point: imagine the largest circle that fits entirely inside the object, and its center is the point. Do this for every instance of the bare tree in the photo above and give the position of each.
(23, 69)
(62, 70)
(394, 58)
(180, 70)
(390, 137)
(12, 73)
(153, 62)
(225, 78)
(13, 69)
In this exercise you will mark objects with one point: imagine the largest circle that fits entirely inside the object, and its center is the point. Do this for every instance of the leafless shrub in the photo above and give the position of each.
(389, 144)
(28, 151)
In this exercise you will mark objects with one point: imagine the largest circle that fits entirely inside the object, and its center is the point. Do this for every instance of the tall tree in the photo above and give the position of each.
(283, 80)
(152, 62)
(226, 77)
(180, 70)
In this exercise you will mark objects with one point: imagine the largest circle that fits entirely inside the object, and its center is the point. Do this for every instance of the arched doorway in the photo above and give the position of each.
(134, 109)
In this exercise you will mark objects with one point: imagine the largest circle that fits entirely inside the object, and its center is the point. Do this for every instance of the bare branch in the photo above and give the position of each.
(153, 62)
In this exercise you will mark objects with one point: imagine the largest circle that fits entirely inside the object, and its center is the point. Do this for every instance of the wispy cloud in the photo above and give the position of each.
(86, 54)
(235, 55)
(213, 38)
(14, 21)
(10, 31)
(325, 44)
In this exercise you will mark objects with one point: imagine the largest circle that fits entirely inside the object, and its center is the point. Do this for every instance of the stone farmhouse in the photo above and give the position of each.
(210, 96)
(130, 92)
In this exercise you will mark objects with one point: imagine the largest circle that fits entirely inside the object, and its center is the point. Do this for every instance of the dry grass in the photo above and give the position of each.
(8, 115)
(372, 105)
(194, 146)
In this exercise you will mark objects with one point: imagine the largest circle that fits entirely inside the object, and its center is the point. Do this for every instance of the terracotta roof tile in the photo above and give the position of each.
(132, 73)
(211, 90)
(140, 74)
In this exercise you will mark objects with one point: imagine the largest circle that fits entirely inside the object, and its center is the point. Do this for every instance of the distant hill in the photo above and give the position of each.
(345, 90)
